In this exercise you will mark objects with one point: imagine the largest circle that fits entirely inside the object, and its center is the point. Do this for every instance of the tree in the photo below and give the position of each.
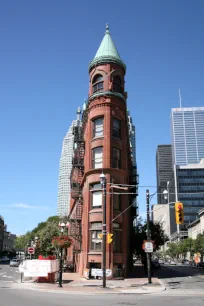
(198, 245)
(45, 232)
(173, 250)
(139, 235)
(186, 246)
(45, 236)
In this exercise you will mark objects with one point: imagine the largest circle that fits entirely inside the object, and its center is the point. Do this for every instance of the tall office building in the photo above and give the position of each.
(188, 150)
(165, 174)
(190, 186)
(187, 135)
(65, 170)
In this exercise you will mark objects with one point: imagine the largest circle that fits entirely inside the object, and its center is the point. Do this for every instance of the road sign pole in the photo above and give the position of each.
(148, 239)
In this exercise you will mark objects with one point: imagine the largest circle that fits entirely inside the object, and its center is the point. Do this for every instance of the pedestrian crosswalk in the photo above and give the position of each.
(6, 278)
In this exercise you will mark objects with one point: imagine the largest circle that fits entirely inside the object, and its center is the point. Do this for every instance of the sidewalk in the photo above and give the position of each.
(74, 284)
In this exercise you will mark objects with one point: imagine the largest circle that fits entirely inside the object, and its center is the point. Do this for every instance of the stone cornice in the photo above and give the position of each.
(107, 93)
(106, 60)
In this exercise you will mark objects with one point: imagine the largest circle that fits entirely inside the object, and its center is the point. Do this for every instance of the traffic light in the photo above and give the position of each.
(110, 238)
(179, 213)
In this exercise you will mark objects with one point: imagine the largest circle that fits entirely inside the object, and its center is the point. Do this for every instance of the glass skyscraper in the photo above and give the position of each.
(64, 188)
(188, 159)
(190, 187)
(187, 135)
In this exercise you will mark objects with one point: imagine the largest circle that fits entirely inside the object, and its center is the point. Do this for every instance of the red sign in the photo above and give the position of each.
(31, 250)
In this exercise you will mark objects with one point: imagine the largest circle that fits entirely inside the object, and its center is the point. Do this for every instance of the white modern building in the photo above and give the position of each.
(197, 227)
(187, 135)
(64, 188)
(165, 215)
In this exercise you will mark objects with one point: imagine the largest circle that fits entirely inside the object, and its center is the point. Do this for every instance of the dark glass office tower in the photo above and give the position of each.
(190, 185)
(165, 175)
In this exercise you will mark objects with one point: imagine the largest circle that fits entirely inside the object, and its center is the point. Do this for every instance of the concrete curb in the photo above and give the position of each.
(162, 284)
(144, 290)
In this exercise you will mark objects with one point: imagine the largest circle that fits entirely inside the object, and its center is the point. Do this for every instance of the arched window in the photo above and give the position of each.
(97, 83)
(117, 87)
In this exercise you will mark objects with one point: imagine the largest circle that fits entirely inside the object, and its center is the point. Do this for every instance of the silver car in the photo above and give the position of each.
(14, 263)
(173, 263)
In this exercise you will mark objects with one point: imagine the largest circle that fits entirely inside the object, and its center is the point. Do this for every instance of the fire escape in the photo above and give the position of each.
(135, 181)
(75, 216)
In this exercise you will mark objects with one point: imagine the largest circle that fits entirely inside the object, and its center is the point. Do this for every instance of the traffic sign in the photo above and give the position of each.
(31, 250)
(148, 247)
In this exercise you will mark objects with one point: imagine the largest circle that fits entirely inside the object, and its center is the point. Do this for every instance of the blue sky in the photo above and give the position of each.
(46, 47)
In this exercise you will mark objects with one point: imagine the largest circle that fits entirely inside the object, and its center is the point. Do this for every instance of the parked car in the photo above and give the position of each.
(172, 262)
(4, 260)
(155, 264)
(200, 264)
(186, 262)
(192, 264)
(14, 262)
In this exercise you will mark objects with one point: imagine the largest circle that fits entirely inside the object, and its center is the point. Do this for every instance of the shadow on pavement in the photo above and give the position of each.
(166, 271)
(178, 271)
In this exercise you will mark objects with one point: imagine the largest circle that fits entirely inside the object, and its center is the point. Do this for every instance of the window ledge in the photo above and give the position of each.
(97, 138)
(95, 210)
(95, 253)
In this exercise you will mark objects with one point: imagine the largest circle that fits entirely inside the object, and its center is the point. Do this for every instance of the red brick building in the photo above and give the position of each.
(102, 145)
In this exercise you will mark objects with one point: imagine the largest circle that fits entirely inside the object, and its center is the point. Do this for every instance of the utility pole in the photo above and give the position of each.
(148, 239)
(104, 231)
(176, 198)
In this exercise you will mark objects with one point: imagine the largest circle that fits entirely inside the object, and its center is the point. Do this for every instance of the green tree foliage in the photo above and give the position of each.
(139, 235)
(45, 237)
(45, 232)
(173, 250)
(199, 245)
(185, 246)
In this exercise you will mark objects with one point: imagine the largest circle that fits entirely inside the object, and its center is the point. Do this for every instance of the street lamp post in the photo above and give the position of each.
(148, 238)
(104, 232)
(62, 227)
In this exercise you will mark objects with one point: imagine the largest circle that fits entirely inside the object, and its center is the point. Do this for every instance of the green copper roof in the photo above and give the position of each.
(107, 52)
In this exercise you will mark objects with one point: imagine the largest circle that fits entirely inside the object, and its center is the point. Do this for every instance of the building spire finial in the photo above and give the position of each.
(78, 113)
(107, 29)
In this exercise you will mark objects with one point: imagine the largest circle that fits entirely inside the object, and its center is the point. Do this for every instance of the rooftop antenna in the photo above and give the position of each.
(180, 98)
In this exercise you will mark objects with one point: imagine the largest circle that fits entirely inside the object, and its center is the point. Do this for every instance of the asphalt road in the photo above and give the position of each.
(9, 274)
(181, 277)
(188, 285)
(33, 298)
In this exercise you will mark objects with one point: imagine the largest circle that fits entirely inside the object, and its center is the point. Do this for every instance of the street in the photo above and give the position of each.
(9, 274)
(33, 298)
(181, 277)
(184, 285)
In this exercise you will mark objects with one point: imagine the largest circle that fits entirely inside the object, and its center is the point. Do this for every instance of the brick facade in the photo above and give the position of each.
(109, 105)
